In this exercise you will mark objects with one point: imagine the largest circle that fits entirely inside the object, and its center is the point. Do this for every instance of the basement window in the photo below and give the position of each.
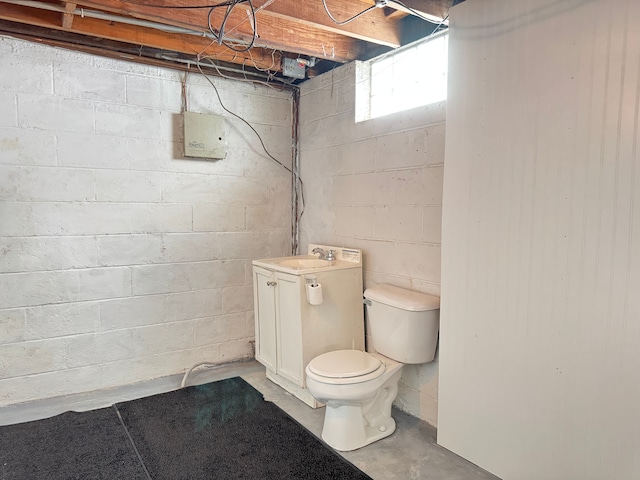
(411, 76)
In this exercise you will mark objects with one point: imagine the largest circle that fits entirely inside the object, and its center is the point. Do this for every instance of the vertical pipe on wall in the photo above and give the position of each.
(297, 200)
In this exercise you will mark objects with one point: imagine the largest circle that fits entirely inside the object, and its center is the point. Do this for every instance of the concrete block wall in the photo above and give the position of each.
(376, 185)
(120, 260)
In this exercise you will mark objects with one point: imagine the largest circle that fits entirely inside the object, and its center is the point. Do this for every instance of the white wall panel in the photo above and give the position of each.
(540, 320)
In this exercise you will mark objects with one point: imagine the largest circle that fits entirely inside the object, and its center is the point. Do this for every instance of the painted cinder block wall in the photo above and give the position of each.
(120, 260)
(376, 185)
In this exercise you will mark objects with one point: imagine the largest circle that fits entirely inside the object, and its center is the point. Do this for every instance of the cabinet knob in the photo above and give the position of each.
(271, 284)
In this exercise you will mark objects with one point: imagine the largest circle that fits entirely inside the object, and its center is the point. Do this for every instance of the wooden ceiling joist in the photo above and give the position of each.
(67, 17)
(373, 27)
(150, 37)
(278, 33)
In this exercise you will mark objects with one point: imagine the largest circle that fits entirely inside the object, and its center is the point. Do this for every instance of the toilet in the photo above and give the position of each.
(358, 387)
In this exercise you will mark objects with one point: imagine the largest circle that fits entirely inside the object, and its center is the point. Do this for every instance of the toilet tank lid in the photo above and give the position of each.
(402, 298)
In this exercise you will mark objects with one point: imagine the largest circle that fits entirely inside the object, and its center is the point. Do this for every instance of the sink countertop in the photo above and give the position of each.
(288, 264)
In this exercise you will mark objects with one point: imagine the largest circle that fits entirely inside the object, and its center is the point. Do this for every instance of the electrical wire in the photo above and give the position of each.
(215, 89)
(185, 100)
(413, 12)
(295, 175)
(263, 6)
(219, 34)
(197, 365)
(245, 79)
(221, 31)
(438, 27)
(298, 203)
(344, 22)
(270, 68)
(298, 193)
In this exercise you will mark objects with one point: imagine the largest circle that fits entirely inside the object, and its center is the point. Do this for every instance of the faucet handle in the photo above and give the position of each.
(331, 255)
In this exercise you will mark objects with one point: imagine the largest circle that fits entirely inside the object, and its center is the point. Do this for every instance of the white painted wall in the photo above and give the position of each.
(120, 260)
(540, 320)
(376, 185)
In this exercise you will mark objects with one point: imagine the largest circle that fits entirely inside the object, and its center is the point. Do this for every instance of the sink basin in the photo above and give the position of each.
(300, 263)
(310, 264)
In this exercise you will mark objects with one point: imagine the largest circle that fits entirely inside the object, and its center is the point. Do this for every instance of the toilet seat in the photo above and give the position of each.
(345, 367)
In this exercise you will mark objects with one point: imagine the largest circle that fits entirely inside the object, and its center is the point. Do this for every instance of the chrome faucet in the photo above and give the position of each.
(330, 256)
(319, 251)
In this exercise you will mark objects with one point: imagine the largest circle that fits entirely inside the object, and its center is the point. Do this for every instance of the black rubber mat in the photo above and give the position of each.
(221, 430)
(225, 430)
(87, 445)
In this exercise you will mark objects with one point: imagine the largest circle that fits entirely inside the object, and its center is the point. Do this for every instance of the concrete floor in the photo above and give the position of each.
(410, 452)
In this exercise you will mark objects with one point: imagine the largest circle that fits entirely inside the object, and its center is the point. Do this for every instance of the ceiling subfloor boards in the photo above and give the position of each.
(297, 29)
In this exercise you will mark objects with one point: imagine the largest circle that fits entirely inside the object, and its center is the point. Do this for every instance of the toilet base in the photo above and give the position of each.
(351, 425)
(345, 428)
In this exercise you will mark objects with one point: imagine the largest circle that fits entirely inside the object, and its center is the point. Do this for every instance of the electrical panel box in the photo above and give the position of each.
(204, 135)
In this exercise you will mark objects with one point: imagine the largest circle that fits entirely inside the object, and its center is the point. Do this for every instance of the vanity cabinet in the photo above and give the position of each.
(278, 323)
(290, 332)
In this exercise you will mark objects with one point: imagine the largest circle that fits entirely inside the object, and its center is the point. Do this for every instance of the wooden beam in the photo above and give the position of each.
(188, 44)
(372, 27)
(435, 10)
(279, 33)
(67, 17)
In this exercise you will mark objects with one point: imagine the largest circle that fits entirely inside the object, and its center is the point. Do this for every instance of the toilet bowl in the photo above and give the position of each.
(358, 388)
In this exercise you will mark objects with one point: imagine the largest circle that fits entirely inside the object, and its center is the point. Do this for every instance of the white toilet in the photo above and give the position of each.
(357, 387)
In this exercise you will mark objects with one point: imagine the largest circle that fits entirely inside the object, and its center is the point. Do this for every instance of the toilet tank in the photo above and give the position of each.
(403, 323)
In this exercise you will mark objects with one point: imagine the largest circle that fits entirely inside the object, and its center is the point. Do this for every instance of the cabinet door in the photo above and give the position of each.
(289, 328)
(265, 316)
